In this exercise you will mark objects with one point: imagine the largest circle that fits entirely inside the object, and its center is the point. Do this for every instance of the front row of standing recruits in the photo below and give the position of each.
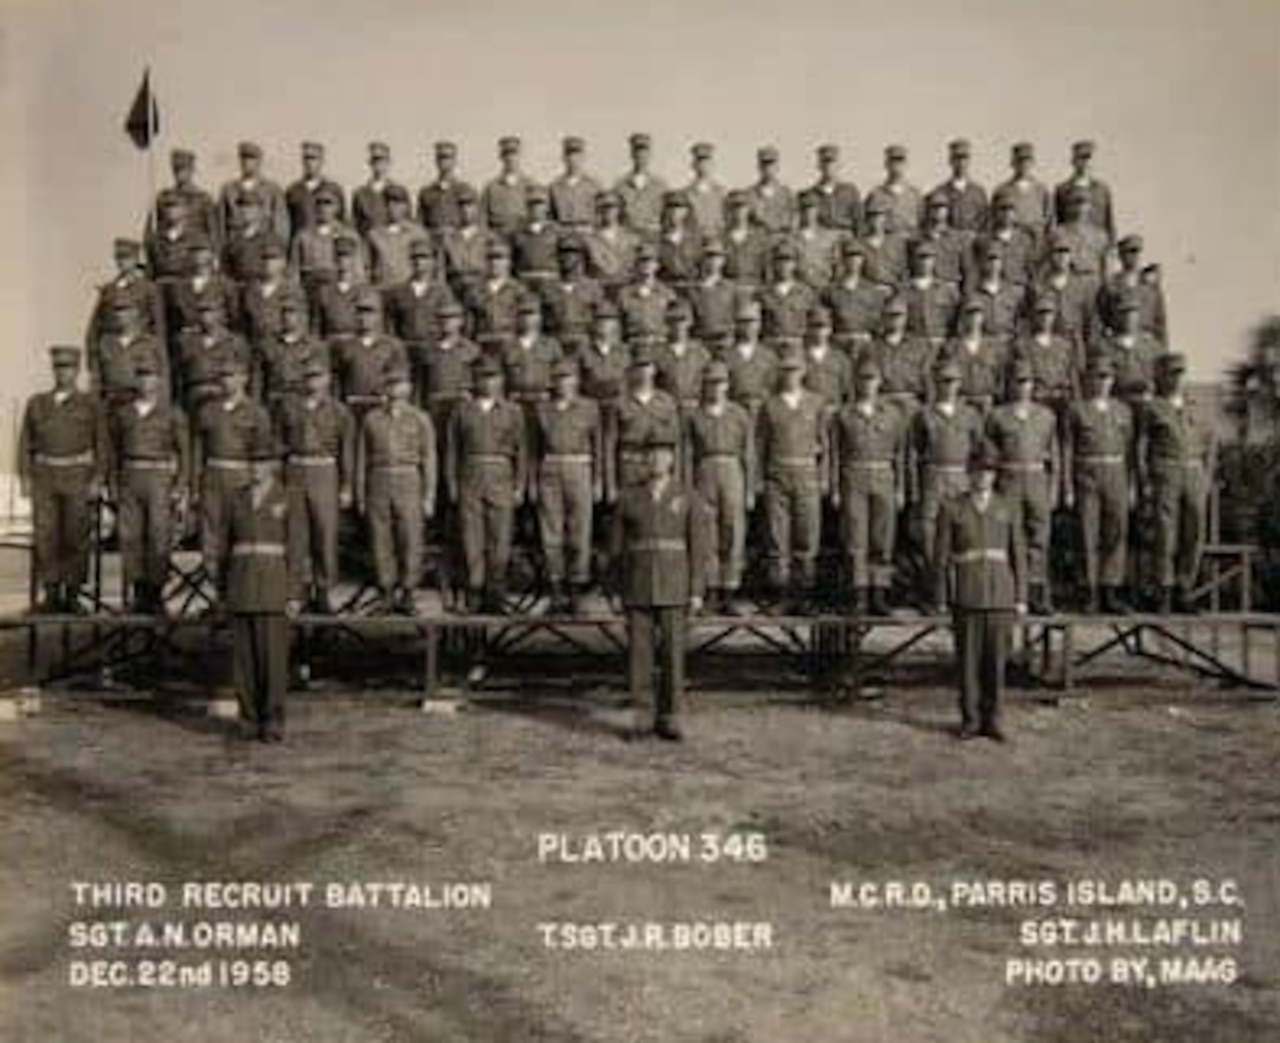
(758, 438)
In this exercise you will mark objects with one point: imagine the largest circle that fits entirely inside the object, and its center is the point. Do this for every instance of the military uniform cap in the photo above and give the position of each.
(118, 300)
(312, 148)
(1059, 244)
(1023, 150)
(852, 246)
(960, 147)
(396, 193)
(126, 247)
(679, 308)
(715, 373)
(1020, 370)
(660, 440)
(1174, 362)
(641, 356)
(747, 309)
(877, 204)
(1045, 305)
(345, 245)
(273, 248)
(327, 194)
(396, 373)
(487, 366)
(895, 306)
(537, 194)
(446, 148)
(529, 305)
(703, 150)
(604, 310)
(608, 197)
(938, 201)
(1100, 365)
(984, 457)
(640, 140)
(895, 152)
(1083, 149)
(571, 244)
(867, 368)
(368, 300)
(170, 197)
(574, 144)
(497, 248)
(1127, 302)
(925, 248)
(182, 157)
(973, 304)
(646, 252)
(808, 199)
(791, 360)
(449, 309)
(946, 370)
(464, 194)
(250, 149)
(784, 249)
(144, 368)
(1131, 243)
(508, 144)
(64, 355)
(1004, 201)
(420, 248)
(315, 367)
(767, 154)
(713, 246)
(828, 152)
(379, 150)
(675, 198)
(737, 197)
(564, 368)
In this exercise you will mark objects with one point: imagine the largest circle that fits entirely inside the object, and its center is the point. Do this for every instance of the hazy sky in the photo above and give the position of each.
(1182, 96)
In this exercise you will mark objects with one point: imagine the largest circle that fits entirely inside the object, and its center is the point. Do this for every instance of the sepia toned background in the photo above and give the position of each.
(1183, 97)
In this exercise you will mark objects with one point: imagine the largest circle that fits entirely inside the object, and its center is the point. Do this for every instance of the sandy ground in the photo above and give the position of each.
(1122, 783)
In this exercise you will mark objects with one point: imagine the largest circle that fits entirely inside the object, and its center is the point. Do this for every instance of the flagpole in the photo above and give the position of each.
(153, 129)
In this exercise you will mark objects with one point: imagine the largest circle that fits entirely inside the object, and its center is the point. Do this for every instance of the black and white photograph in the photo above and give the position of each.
(684, 522)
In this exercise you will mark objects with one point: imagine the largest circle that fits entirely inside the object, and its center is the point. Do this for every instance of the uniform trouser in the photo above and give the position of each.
(655, 657)
(262, 666)
(1181, 499)
(1029, 495)
(722, 484)
(445, 524)
(313, 525)
(870, 524)
(486, 514)
(218, 490)
(1102, 499)
(793, 513)
(982, 646)
(61, 513)
(940, 484)
(145, 525)
(564, 519)
(393, 506)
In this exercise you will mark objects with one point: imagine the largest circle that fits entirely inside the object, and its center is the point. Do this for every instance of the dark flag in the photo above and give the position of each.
(143, 122)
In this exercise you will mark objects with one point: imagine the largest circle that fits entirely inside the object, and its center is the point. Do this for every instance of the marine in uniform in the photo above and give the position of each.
(256, 567)
(392, 241)
(569, 302)
(839, 202)
(1056, 362)
(828, 370)
(1101, 211)
(1074, 297)
(505, 200)
(640, 191)
(643, 301)
(333, 302)
(932, 302)
(713, 298)
(794, 442)
(275, 213)
(198, 205)
(301, 198)
(250, 242)
(494, 304)
(534, 248)
(856, 303)
(705, 194)
(528, 359)
(1024, 435)
(772, 204)
(487, 477)
(413, 307)
(785, 302)
(362, 359)
(981, 579)
(817, 247)
(149, 479)
(60, 461)
(1127, 283)
(168, 245)
(611, 246)
(720, 447)
(397, 462)
(905, 202)
(567, 483)
(370, 205)
(869, 441)
(884, 250)
(1004, 301)
(746, 246)
(465, 246)
(1031, 200)
(130, 281)
(643, 410)
(658, 544)
(679, 359)
(260, 297)
(968, 206)
(118, 351)
(438, 201)
(203, 352)
(679, 244)
(1134, 354)
(573, 193)
(983, 360)
(903, 360)
(753, 364)
(1100, 459)
(1176, 459)
(204, 282)
(1090, 245)
(318, 436)
(604, 363)
(283, 358)
(1022, 251)
(952, 247)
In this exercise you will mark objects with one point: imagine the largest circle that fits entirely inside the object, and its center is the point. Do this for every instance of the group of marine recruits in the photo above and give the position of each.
(497, 363)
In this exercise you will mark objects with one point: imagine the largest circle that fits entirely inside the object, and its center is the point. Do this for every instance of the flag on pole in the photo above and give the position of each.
(143, 122)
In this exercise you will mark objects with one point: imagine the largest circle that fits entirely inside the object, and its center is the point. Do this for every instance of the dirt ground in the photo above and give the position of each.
(1121, 783)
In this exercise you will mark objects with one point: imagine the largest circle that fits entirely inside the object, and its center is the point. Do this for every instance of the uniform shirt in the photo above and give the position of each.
(713, 306)
(772, 207)
(202, 355)
(1076, 304)
(260, 308)
(494, 307)
(361, 363)
(1125, 286)
(412, 309)
(155, 433)
(981, 555)
(570, 306)
(565, 428)
(945, 438)
(867, 437)
(680, 367)
(477, 436)
(188, 294)
(438, 203)
(611, 253)
(1100, 429)
(1004, 305)
(113, 363)
(282, 364)
(792, 431)
(886, 258)
(1032, 205)
(446, 368)
(231, 431)
(369, 206)
(706, 206)
(641, 419)
(1024, 436)
(573, 200)
(785, 309)
(1133, 359)
(727, 432)
(829, 374)
(1021, 253)
(275, 213)
(839, 205)
(1090, 247)
(905, 365)
(389, 249)
(746, 256)
(313, 256)
(57, 426)
(403, 438)
(931, 307)
(644, 308)
(465, 254)
(320, 426)
(300, 202)
(982, 365)
(906, 205)
(1173, 435)
(1055, 362)
(333, 307)
(147, 300)
(257, 573)
(242, 256)
(604, 371)
(954, 252)
(679, 256)
(504, 203)
(1101, 213)
(818, 250)
(169, 251)
(202, 212)
(527, 363)
(534, 250)
(642, 202)
(969, 204)
(660, 542)
(856, 310)
(753, 372)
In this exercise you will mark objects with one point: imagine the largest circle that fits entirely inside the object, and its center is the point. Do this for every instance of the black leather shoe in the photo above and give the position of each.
(966, 732)
(993, 733)
(666, 728)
